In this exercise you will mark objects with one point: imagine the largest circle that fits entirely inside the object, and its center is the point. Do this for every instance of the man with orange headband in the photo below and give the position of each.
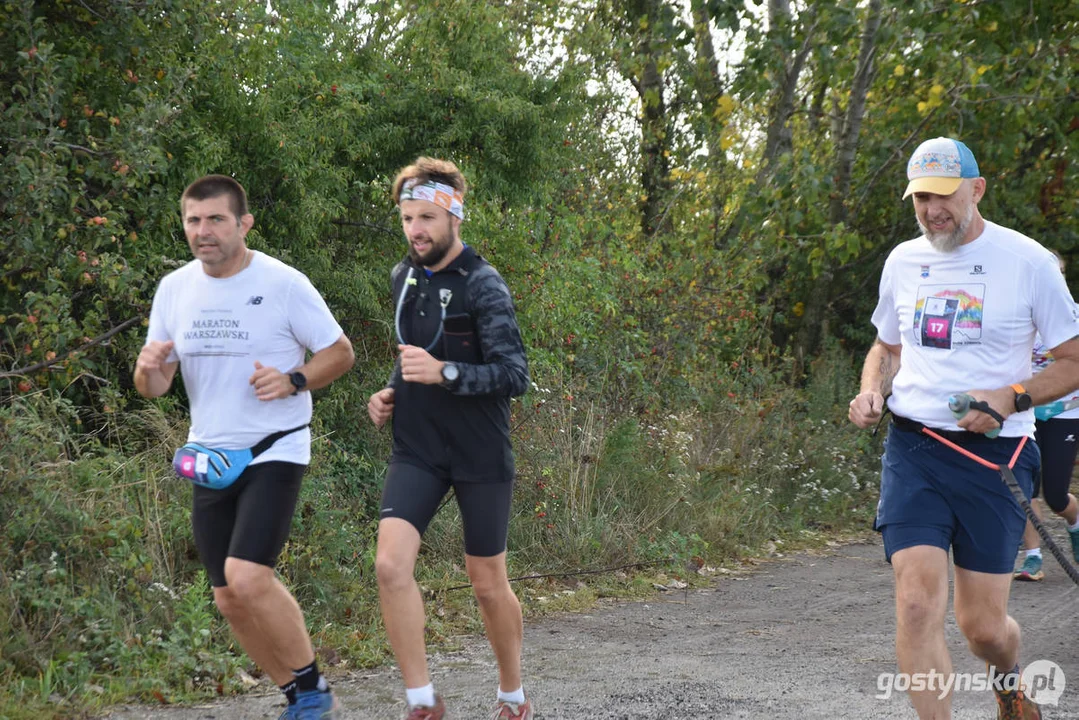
(461, 360)
(957, 313)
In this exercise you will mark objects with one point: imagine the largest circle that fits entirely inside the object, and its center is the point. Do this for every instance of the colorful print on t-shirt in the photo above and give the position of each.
(946, 316)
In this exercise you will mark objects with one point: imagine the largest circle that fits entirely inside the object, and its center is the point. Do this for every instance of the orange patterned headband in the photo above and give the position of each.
(445, 196)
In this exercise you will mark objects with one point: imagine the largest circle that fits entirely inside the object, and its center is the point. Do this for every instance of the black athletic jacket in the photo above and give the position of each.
(462, 431)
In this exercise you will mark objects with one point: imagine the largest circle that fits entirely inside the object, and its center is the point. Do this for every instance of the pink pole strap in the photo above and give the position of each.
(972, 456)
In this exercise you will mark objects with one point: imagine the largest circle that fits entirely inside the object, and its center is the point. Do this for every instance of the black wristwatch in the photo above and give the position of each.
(298, 380)
(450, 374)
(1023, 401)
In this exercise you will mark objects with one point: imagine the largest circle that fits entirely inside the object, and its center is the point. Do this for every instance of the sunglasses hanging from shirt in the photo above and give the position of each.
(444, 297)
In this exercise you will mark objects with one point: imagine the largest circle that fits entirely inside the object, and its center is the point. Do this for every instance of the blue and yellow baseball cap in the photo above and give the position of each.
(939, 166)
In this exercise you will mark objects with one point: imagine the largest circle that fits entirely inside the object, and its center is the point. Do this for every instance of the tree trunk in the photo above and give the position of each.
(654, 164)
(848, 141)
(819, 298)
(778, 137)
(709, 86)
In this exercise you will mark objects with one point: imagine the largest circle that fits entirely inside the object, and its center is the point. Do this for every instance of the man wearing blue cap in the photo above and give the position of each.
(957, 313)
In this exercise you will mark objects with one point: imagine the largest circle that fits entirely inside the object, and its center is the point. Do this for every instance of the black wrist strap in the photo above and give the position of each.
(264, 444)
(983, 406)
(883, 414)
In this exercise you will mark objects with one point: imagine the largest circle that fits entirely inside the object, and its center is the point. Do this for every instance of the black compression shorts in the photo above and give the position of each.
(413, 493)
(1057, 441)
(249, 520)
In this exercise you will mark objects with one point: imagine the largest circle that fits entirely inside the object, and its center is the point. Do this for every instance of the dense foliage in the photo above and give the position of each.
(691, 200)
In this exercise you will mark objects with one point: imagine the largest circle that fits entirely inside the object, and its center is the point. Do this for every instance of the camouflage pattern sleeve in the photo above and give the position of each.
(395, 374)
(504, 370)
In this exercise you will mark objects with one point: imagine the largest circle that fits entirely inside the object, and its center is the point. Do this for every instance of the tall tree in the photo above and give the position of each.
(774, 58)
(638, 40)
(707, 80)
(847, 129)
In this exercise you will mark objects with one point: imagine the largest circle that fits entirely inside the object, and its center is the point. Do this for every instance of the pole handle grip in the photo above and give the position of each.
(962, 403)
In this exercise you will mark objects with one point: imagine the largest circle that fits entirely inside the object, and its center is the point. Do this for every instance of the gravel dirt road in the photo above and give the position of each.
(804, 636)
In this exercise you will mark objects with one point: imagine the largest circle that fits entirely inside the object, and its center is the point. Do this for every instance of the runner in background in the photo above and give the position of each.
(1056, 437)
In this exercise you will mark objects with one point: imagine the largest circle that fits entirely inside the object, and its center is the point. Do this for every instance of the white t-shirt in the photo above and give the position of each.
(267, 312)
(966, 320)
(1043, 358)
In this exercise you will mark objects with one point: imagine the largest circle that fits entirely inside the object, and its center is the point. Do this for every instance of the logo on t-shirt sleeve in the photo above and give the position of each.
(945, 316)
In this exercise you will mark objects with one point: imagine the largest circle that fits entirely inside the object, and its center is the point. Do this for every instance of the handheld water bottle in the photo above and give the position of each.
(960, 405)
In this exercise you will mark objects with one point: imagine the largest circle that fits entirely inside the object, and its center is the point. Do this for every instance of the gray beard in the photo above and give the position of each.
(948, 242)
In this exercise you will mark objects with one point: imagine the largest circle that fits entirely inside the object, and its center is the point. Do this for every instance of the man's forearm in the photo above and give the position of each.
(1056, 381)
(151, 383)
(328, 364)
(506, 376)
(881, 366)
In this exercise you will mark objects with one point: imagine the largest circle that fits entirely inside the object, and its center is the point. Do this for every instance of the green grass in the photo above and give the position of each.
(106, 600)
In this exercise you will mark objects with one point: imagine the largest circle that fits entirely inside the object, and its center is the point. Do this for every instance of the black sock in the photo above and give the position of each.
(1008, 680)
(290, 692)
(307, 677)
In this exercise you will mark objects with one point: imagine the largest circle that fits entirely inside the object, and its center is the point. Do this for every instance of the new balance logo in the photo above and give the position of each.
(1070, 438)
(254, 300)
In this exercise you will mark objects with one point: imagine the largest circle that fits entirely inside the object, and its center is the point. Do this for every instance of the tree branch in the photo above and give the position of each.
(899, 148)
(70, 146)
(60, 358)
(360, 223)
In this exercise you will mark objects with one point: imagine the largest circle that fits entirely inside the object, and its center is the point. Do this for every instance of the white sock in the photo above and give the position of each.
(1034, 552)
(516, 697)
(1075, 527)
(424, 696)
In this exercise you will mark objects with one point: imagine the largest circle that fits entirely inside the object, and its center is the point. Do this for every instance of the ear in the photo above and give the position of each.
(455, 225)
(247, 222)
(977, 189)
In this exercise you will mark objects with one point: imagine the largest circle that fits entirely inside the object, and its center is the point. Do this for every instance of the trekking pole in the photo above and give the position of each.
(960, 405)
(1047, 412)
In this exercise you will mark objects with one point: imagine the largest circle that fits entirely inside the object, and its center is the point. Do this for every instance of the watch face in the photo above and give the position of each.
(298, 379)
(449, 372)
(1023, 402)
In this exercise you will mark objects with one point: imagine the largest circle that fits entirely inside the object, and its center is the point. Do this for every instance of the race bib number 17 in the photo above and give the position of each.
(938, 321)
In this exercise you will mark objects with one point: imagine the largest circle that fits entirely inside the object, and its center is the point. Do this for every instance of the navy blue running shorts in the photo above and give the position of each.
(933, 495)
